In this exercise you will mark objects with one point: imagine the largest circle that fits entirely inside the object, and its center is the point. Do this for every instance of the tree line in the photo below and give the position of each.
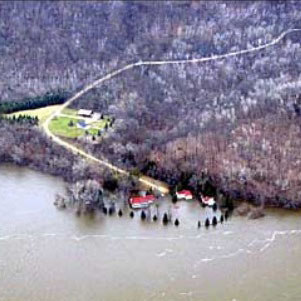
(20, 119)
(50, 98)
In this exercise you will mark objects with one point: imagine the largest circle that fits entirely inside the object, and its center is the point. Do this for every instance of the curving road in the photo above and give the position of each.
(163, 188)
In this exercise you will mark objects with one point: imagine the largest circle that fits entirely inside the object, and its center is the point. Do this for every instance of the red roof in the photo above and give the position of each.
(206, 198)
(185, 192)
(142, 199)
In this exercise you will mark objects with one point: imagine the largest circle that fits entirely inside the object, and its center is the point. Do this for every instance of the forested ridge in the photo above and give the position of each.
(236, 120)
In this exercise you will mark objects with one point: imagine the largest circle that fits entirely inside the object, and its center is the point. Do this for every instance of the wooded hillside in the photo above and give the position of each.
(236, 119)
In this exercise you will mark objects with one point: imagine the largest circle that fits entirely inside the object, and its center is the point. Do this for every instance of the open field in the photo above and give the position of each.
(100, 124)
(67, 127)
(61, 125)
(41, 113)
(68, 111)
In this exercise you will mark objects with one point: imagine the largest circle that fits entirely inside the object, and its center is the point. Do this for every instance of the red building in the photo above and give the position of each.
(184, 194)
(141, 201)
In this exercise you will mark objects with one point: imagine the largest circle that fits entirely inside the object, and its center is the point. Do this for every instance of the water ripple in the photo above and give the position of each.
(266, 244)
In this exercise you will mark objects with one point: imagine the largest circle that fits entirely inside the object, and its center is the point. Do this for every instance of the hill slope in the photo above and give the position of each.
(236, 119)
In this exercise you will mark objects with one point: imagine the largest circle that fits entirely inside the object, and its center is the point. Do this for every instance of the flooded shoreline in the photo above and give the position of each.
(47, 254)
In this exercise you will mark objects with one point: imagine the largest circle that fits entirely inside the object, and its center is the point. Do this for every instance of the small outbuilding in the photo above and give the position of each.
(184, 194)
(207, 200)
(141, 201)
(96, 116)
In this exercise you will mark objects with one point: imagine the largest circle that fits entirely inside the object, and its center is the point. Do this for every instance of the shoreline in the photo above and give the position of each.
(237, 203)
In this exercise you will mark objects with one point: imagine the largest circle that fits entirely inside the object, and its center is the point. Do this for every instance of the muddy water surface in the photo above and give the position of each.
(46, 254)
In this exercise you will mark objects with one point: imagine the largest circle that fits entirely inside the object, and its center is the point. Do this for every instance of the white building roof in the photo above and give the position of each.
(84, 112)
(96, 116)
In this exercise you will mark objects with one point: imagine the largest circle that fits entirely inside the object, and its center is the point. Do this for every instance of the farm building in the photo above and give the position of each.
(184, 194)
(141, 201)
(89, 114)
(85, 113)
(96, 116)
(207, 200)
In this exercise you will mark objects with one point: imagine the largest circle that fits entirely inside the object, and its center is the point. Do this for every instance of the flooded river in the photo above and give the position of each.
(46, 254)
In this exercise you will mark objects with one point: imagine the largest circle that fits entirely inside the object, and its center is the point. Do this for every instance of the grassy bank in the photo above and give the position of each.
(41, 113)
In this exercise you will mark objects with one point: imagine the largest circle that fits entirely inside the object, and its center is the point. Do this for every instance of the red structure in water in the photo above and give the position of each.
(141, 201)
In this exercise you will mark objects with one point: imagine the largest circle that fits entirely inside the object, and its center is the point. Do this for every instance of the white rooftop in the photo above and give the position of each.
(84, 112)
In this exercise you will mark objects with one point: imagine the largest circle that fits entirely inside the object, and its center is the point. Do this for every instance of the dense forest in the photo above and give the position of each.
(48, 99)
(236, 120)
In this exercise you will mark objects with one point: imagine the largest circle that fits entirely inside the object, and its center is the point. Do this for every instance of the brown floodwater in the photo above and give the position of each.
(47, 254)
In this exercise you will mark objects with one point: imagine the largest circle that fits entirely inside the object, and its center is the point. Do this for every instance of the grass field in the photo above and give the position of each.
(61, 126)
(100, 124)
(69, 111)
(41, 113)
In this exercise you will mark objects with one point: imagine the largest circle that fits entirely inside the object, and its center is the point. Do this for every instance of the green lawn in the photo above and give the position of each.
(60, 126)
(101, 123)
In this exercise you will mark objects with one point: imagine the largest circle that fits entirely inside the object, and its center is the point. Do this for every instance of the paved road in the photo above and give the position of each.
(162, 187)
